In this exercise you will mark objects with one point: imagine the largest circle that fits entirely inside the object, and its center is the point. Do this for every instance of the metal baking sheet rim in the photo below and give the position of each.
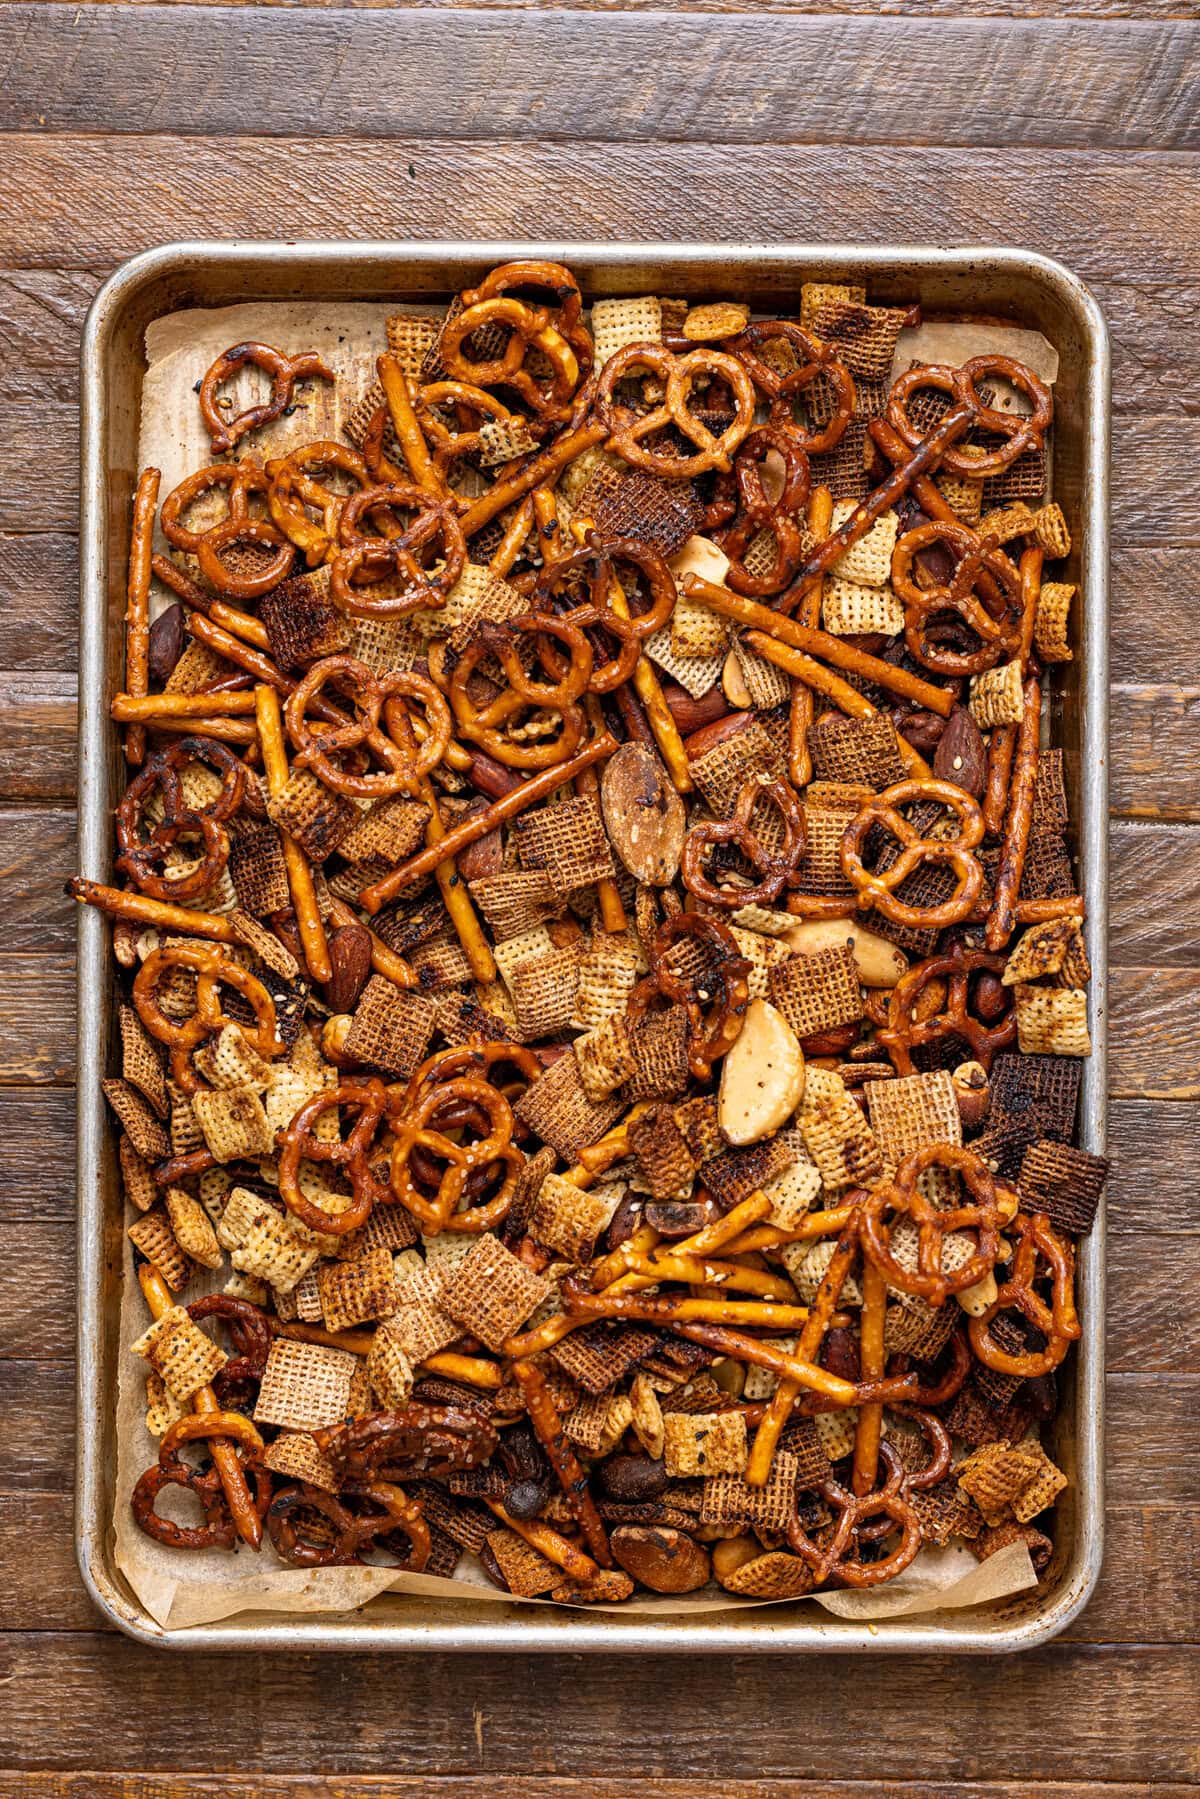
(433, 1626)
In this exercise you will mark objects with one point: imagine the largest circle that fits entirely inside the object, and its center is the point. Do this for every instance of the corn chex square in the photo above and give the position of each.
(180, 1353)
(137, 1117)
(728, 1499)
(389, 1369)
(234, 1123)
(868, 562)
(704, 1443)
(152, 1236)
(491, 1292)
(568, 1219)
(911, 1112)
(353, 1292)
(1052, 1021)
(836, 1135)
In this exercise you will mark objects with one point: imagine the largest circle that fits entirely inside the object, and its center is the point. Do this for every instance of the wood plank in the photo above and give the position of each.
(37, 1291)
(43, 310)
(1153, 744)
(1154, 1046)
(1154, 1181)
(69, 1692)
(37, 1019)
(938, 9)
(37, 735)
(1078, 205)
(37, 854)
(459, 74)
(37, 1127)
(42, 1588)
(468, 1786)
(39, 622)
(1154, 893)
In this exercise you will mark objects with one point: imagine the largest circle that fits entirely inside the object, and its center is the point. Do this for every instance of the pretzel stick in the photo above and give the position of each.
(384, 961)
(1001, 744)
(926, 456)
(587, 786)
(548, 1542)
(1041, 911)
(137, 908)
(404, 423)
(770, 1236)
(931, 499)
(512, 543)
(872, 1366)
(475, 1370)
(168, 708)
(846, 698)
(470, 830)
(241, 624)
(547, 1427)
(542, 1337)
(802, 711)
(542, 470)
(1002, 918)
(835, 650)
(1031, 562)
(612, 1266)
(229, 730)
(648, 1271)
(701, 1243)
(451, 885)
(137, 603)
(767, 1436)
(204, 1401)
(761, 1354)
(299, 874)
(612, 1147)
(353, 1342)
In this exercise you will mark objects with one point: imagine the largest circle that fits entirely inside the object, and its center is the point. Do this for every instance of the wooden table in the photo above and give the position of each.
(127, 125)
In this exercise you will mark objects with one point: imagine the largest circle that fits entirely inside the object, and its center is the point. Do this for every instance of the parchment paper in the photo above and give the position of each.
(180, 1588)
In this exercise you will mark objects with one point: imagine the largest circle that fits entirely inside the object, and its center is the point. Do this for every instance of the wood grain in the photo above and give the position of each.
(37, 1018)
(938, 9)
(37, 735)
(436, 70)
(399, 1786)
(37, 854)
(1077, 204)
(37, 1128)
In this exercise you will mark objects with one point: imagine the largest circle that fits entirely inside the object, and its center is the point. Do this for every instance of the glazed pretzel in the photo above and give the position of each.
(405, 764)
(756, 513)
(905, 1030)
(299, 1142)
(949, 1383)
(596, 562)
(492, 725)
(413, 1440)
(877, 890)
(476, 1059)
(1020, 433)
(998, 636)
(890, 1200)
(814, 359)
(293, 491)
(218, 1529)
(627, 429)
(777, 869)
(161, 773)
(726, 971)
(250, 1330)
(237, 585)
(530, 327)
(436, 520)
(837, 1559)
(284, 372)
(422, 1126)
(212, 967)
(437, 399)
(1058, 1321)
(243, 480)
(337, 1535)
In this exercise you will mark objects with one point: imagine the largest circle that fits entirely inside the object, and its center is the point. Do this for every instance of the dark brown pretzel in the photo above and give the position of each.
(1020, 433)
(596, 562)
(476, 1059)
(218, 1530)
(877, 890)
(161, 772)
(628, 429)
(717, 1008)
(491, 725)
(294, 490)
(1058, 1321)
(529, 327)
(284, 372)
(905, 1030)
(998, 636)
(837, 1558)
(243, 479)
(814, 359)
(415, 1439)
(396, 556)
(902, 1198)
(778, 869)
(438, 398)
(405, 764)
(250, 1329)
(299, 1142)
(756, 513)
(937, 1441)
(423, 1124)
(244, 586)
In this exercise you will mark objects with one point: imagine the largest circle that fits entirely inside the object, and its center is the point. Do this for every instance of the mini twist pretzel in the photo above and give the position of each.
(727, 971)
(1057, 1321)
(757, 513)
(243, 479)
(377, 557)
(310, 1528)
(422, 1126)
(814, 358)
(777, 870)
(596, 562)
(438, 398)
(490, 725)
(239, 586)
(998, 636)
(530, 327)
(837, 1560)
(876, 890)
(902, 1197)
(414, 1440)
(405, 764)
(904, 1031)
(218, 1530)
(937, 1441)
(250, 1329)
(476, 1059)
(160, 772)
(294, 489)
(299, 1142)
(945, 1386)
(212, 967)
(1020, 433)
(284, 372)
(678, 373)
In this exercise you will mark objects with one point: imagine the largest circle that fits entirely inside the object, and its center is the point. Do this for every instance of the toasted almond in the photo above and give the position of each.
(709, 324)
(879, 963)
(643, 815)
